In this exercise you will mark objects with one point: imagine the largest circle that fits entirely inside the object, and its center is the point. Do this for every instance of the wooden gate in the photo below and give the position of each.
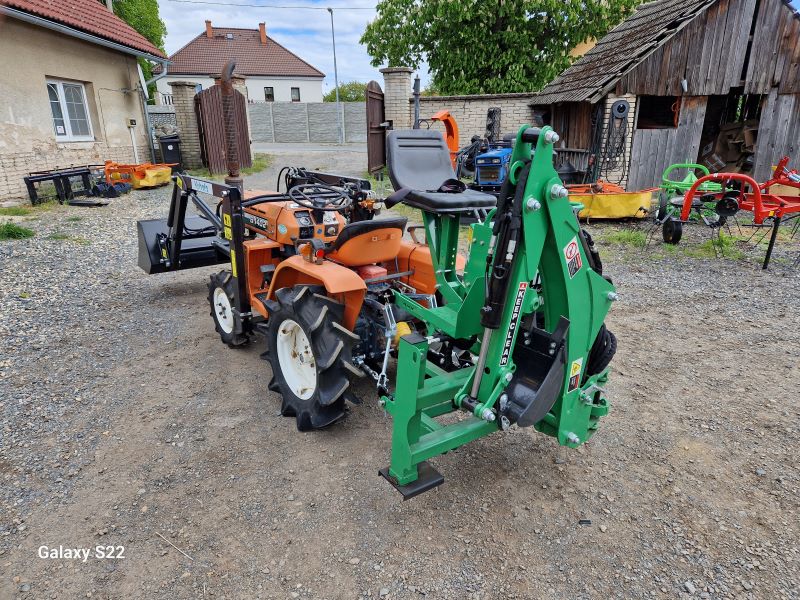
(376, 128)
(211, 122)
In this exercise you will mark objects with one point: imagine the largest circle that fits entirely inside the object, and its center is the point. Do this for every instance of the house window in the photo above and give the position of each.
(269, 94)
(71, 121)
(296, 94)
(658, 112)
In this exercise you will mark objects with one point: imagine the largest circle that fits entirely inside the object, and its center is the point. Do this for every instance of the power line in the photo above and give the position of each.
(232, 4)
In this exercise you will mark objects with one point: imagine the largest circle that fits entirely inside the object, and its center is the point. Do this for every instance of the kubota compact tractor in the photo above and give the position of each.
(510, 334)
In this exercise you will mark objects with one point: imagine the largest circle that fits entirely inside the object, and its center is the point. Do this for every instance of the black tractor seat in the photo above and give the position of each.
(419, 164)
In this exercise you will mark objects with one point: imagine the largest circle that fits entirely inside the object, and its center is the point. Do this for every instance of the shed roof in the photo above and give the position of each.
(89, 16)
(207, 55)
(596, 72)
(651, 26)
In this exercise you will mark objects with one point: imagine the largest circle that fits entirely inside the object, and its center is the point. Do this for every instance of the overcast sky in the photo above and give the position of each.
(307, 33)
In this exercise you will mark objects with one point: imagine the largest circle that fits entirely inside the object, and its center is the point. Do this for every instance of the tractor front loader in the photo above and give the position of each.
(511, 334)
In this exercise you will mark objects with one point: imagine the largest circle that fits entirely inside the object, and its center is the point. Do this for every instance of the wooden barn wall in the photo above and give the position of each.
(710, 51)
(573, 122)
(779, 133)
(775, 55)
(655, 149)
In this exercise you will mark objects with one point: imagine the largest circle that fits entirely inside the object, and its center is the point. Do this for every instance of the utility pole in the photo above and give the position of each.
(339, 115)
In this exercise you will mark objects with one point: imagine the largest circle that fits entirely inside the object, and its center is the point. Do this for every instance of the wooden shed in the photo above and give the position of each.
(709, 81)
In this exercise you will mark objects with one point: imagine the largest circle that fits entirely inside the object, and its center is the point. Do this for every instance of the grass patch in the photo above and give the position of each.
(59, 236)
(74, 219)
(260, 163)
(15, 211)
(724, 246)
(414, 215)
(12, 231)
(626, 237)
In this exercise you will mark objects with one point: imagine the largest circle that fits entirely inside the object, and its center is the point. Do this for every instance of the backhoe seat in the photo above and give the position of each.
(368, 242)
(419, 163)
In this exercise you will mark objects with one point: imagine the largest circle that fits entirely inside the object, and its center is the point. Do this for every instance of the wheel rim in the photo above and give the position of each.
(296, 358)
(223, 310)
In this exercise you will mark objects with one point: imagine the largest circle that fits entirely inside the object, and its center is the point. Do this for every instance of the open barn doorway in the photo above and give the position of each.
(730, 132)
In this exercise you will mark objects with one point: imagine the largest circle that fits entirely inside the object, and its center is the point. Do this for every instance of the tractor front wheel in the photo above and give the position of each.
(311, 356)
(220, 297)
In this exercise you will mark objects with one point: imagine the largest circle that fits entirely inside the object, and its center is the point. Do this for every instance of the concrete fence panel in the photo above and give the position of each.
(323, 122)
(315, 122)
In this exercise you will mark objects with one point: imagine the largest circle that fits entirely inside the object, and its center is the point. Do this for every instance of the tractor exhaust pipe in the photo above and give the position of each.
(234, 177)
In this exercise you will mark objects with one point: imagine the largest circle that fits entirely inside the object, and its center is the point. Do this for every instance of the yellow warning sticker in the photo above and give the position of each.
(575, 374)
(233, 262)
(228, 233)
(226, 219)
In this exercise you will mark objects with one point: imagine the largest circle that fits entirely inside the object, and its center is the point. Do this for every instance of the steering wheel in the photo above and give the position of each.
(317, 196)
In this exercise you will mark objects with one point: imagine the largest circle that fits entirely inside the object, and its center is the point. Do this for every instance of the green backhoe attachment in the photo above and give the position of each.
(529, 305)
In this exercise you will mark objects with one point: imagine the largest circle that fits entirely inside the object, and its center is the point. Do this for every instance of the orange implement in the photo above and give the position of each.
(142, 175)
(451, 132)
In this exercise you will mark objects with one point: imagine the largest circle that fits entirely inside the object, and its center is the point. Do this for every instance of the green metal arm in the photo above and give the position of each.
(551, 252)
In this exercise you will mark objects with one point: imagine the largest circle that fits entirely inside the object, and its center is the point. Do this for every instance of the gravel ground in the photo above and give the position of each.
(125, 422)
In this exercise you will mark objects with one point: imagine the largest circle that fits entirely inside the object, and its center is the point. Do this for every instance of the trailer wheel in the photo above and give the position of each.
(311, 356)
(220, 298)
(671, 231)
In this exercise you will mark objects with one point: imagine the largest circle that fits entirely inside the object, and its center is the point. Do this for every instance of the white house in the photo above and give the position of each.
(273, 73)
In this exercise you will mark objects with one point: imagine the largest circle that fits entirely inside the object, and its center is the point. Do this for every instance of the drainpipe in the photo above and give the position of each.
(144, 96)
(110, 5)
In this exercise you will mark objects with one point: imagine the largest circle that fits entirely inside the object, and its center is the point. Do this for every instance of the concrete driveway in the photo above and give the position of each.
(347, 159)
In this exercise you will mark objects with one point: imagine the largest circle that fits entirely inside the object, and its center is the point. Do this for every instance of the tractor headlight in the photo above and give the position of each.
(496, 161)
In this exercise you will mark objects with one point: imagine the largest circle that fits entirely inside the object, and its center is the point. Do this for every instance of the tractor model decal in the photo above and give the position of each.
(512, 326)
(255, 221)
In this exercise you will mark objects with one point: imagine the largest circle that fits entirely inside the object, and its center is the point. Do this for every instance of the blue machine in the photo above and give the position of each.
(491, 168)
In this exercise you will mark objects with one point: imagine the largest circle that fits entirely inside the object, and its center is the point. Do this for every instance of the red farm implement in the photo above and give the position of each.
(715, 198)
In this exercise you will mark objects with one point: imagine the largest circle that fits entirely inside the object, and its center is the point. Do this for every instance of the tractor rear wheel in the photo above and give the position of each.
(220, 297)
(311, 356)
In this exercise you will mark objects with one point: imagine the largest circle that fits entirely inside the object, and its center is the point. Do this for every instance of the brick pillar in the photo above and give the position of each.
(238, 84)
(396, 96)
(183, 93)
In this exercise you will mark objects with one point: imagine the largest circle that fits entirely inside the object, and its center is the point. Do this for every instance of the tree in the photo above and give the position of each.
(143, 16)
(352, 91)
(483, 46)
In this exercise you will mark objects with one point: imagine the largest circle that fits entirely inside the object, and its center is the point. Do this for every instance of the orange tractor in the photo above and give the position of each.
(313, 255)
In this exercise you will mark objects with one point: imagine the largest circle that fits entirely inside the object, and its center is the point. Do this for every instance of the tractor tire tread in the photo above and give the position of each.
(223, 280)
(319, 317)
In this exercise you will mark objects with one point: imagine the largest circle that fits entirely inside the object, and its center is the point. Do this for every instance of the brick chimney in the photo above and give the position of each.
(209, 31)
(262, 29)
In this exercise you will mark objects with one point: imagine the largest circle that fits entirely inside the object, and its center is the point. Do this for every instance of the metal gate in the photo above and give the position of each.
(211, 122)
(376, 128)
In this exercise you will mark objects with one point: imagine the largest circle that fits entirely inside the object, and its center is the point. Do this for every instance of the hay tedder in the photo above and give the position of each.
(714, 198)
(511, 333)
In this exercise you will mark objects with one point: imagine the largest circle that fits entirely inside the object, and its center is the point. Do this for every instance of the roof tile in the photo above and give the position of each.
(89, 16)
(207, 56)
